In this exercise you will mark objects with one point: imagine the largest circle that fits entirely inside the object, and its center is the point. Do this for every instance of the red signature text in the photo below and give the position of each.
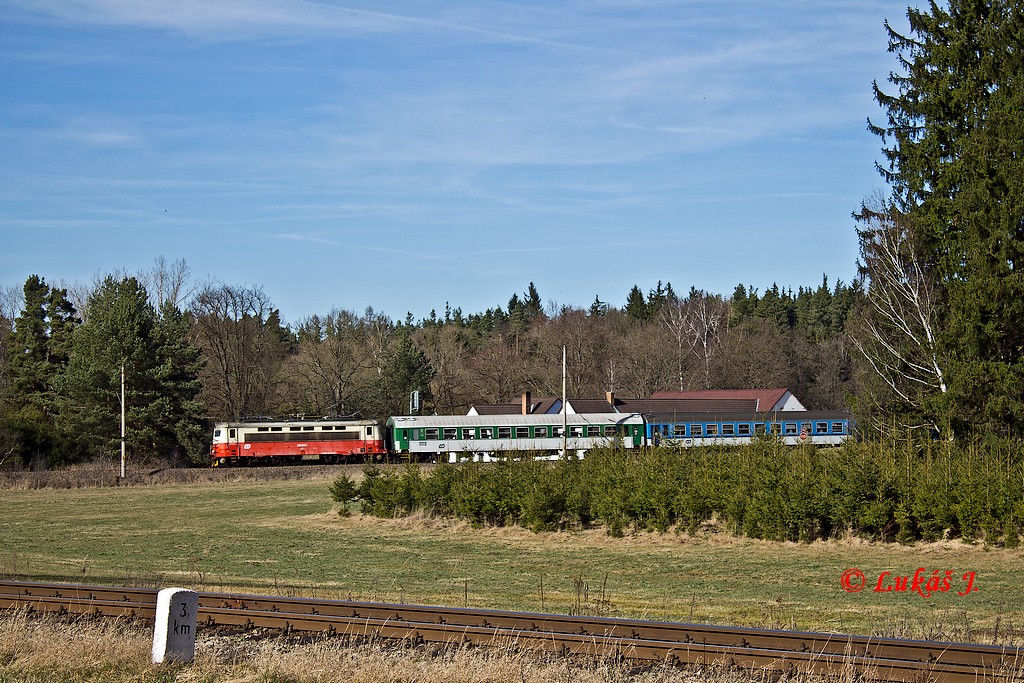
(921, 582)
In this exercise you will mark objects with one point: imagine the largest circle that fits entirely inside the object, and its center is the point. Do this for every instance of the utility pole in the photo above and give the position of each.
(122, 422)
(565, 453)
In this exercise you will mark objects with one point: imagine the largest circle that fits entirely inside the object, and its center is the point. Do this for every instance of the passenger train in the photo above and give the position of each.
(487, 437)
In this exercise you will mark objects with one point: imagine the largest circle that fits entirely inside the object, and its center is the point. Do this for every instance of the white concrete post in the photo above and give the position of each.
(174, 636)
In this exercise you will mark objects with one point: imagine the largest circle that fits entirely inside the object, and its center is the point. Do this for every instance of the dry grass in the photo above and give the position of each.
(106, 474)
(87, 650)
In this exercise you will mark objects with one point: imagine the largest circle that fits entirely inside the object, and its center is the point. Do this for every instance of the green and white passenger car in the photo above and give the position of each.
(486, 437)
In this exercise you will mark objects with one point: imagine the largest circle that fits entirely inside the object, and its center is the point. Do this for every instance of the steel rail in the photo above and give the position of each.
(882, 658)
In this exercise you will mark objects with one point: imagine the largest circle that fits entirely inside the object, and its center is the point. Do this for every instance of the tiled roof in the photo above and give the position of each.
(662, 406)
(766, 399)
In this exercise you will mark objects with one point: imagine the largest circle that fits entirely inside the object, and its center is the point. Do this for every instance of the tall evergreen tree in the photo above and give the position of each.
(954, 141)
(160, 371)
(39, 349)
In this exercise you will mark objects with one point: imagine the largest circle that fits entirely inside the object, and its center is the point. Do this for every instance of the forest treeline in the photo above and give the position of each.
(193, 354)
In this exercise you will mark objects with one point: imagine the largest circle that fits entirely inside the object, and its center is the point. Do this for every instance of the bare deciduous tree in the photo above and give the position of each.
(897, 329)
(696, 323)
(168, 282)
(239, 336)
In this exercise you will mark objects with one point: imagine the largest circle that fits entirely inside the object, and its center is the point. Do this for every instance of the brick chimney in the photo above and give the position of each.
(526, 403)
(610, 397)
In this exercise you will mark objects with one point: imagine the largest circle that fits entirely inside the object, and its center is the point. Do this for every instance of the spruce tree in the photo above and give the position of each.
(954, 141)
(39, 349)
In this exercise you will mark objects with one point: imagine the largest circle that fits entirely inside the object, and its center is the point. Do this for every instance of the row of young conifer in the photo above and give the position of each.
(902, 492)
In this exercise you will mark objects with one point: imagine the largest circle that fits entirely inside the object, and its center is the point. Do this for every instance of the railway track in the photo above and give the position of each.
(880, 659)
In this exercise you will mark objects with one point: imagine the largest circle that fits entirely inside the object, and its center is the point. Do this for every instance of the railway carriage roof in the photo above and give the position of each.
(245, 424)
(513, 420)
(780, 416)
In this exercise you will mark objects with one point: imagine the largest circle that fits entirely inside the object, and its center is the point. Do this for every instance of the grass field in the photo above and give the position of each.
(285, 537)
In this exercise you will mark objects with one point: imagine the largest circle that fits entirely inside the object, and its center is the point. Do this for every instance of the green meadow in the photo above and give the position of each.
(287, 538)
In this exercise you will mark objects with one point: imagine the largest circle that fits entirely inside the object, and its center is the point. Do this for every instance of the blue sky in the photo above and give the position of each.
(402, 155)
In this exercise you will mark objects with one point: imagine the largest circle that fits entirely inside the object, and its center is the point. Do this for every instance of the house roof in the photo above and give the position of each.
(661, 403)
(670, 406)
(541, 406)
(766, 399)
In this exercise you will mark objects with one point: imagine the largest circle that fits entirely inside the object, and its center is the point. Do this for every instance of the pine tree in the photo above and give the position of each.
(636, 306)
(956, 165)
(39, 348)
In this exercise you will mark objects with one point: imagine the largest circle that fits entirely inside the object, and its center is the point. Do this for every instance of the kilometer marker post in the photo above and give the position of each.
(174, 635)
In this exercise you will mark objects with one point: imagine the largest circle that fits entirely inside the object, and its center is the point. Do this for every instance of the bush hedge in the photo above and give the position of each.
(888, 491)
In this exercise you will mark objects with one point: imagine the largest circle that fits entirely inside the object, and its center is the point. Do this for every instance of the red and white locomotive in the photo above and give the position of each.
(293, 441)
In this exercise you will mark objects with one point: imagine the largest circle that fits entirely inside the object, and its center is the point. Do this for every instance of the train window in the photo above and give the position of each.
(326, 428)
(790, 428)
(431, 433)
(504, 432)
(216, 433)
(593, 430)
(369, 431)
(557, 430)
(712, 430)
(696, 430)
(540, 432)
(449, 433)
(743, 429)
(576, 430)
(308, 429)
(263, 429)
(609, 430)
(728, 429)
(522, 432)
(821, 428)
(760, 428)
(468, 433)
(679, 430)
(295, 429)
(231, 433)
(486, 432)
(837, 427)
